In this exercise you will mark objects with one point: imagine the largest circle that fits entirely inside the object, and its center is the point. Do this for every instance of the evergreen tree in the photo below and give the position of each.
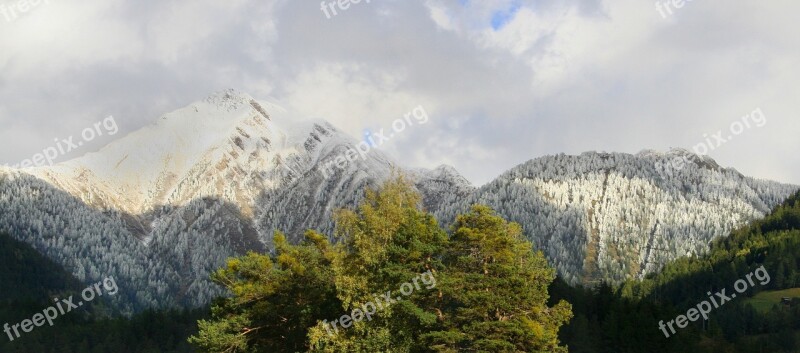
(485, 290)
(494, 291)
(385, 244)
(276, 299)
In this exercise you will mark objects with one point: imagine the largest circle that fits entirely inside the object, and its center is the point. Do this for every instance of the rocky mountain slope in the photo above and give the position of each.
(612, 216)
(162, 207)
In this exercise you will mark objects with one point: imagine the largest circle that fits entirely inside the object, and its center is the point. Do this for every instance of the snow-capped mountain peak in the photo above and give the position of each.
(184, 154)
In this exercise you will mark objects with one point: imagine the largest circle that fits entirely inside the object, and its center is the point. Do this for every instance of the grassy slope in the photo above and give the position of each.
(764, 301)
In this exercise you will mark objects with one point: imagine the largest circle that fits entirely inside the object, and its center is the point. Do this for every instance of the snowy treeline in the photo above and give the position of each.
(163, 207)
(602, 216)
(168, 267)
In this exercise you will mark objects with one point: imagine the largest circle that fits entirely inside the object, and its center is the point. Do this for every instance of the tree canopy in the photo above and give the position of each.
(483, 287)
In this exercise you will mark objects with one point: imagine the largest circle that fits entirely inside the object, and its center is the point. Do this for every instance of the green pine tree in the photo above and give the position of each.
(494, 291)
(386, 243)
(484, 289)
(276, 299)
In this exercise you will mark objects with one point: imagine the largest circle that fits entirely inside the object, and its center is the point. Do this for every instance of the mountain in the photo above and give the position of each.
(33, 281)
(756, 265)
(162, 207)
(614, 216)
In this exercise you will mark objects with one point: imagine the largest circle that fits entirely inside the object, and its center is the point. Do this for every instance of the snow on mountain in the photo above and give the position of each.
(614, 216)
(162, 207)
(188, 154)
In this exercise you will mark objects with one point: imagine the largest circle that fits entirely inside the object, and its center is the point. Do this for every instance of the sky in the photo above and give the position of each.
(503, 81)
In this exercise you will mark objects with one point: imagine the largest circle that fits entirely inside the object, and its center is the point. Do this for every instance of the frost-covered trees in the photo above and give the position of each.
(595, 216)
(602, 216)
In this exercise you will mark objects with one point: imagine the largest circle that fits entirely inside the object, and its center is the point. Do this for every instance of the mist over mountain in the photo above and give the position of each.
(164, 206)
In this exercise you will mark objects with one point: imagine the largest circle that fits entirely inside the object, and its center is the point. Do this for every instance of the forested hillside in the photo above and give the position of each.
(28, 275)
(29, 281)
(622, 318)
(616, 216)
(626, 319)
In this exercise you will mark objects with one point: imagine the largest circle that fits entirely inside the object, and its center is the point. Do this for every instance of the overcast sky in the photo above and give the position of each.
(503, 81)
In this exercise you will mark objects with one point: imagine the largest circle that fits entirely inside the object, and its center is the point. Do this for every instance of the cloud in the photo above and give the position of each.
(504, 81)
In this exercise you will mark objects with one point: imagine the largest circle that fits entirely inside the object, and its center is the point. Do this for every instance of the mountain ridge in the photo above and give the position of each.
(161, 214)
(568, 204)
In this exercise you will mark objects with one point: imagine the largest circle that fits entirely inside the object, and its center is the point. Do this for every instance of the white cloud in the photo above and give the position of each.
(559, 76)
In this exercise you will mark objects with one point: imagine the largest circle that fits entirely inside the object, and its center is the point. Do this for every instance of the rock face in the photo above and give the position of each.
(162, 207)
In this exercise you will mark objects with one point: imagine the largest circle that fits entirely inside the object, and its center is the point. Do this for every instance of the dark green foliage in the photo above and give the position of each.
(276, 299)
(29, 276)
(626, 319)
(494, 291)
(148, 332)
(488, 289)
(29, 281)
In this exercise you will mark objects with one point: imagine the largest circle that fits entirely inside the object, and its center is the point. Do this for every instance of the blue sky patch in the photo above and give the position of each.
(501, 18)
